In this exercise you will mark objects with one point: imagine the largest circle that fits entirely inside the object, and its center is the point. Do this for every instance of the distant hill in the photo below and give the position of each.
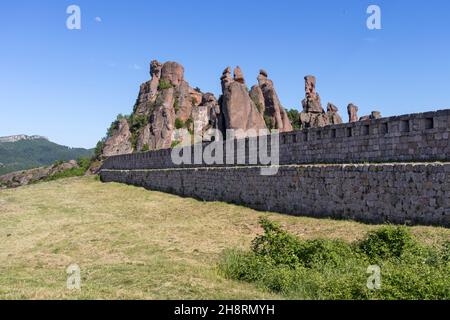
(23, 152)
(21, 137)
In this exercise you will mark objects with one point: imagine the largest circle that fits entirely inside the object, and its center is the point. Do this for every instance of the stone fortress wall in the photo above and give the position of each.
(393, 169)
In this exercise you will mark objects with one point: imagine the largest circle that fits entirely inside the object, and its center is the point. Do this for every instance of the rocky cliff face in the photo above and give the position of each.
(22, 178)
(352, 111)
(120, 140)
(165, 111)
(168, 110)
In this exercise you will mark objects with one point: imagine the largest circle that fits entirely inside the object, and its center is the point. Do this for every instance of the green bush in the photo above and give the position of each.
(176, 105)
(386, 243)
(164, 84)
(175, 144)
(83, 166)
(99, 149)
(58, 163)
(330, 269)
(294, 117)
(268, 121)
(189, 124)
(136, 123)
(179, 124)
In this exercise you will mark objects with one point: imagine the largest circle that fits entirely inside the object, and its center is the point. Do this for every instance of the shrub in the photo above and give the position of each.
(175, 144)
(330, 269)
(115, 125)
(269, 122)
(386, 243)
(134, 140)
(276, 243)
(99, 149)
(176, 105)
(164, 84)
(137, 122)
(58, 163)
(179, 124)
(294, 117)
(83, 164)
(189, 125)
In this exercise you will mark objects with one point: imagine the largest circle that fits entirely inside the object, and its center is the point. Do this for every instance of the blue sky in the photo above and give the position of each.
(69, 85)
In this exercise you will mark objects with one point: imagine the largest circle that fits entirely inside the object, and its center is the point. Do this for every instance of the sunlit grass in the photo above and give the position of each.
(131, 243)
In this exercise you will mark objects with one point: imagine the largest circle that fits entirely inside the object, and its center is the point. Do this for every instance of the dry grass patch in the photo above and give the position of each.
(135, 244)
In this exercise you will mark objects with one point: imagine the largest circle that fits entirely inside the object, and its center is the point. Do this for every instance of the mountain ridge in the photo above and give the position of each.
(21, 137)
(22, 152)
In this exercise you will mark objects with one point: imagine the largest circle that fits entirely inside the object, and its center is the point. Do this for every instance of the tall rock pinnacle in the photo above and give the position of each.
(239, 111)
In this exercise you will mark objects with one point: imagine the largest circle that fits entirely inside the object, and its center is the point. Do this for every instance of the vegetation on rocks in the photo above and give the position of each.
(83, 166)
(164, 84)
(294, 117)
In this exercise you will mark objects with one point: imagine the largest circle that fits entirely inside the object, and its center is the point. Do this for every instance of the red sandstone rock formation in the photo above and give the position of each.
(313, 114)
(164, 103)
(374, 115)
(119, 142)
(333, 115)
(239, 111)
(312, 102)
(352, 113)
(238, 75)
(268, 103)
(25, 177)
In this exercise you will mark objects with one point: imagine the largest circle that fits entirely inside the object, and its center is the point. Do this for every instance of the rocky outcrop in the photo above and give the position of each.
(268, 103)
(313, 115)
(239, 110)
(214, 112)
(22, 178)
(257, 96)
(311, 103)
(167, 109)
(333, 114)
(157, 133)
(238, 75)
(313, 120)
(173, 72)
(120, 140)
(373, 116)
(352, 113)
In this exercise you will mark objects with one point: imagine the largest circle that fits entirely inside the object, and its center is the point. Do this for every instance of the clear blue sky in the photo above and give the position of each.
(70, 85)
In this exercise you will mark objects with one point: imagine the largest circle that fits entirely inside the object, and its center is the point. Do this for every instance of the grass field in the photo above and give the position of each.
(136, 244)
